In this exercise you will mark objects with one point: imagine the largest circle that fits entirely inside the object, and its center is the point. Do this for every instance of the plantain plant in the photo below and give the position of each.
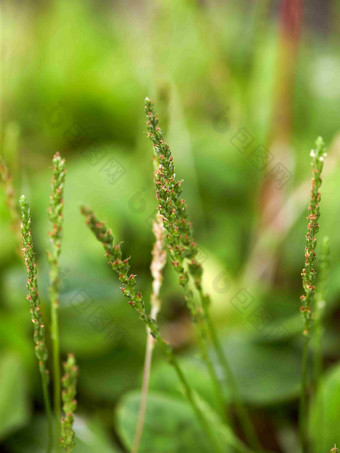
(39, 335)
(56, 218)
(183, 253)
(308, 280)
(55, 214)
(173, 232)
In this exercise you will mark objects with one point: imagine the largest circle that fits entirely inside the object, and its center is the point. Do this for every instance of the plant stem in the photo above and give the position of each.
(308, 279)
(144, 394)
(197, 318)
(182, 248)
(48, 410)
(191, 398)
(304, 397)
(219, 395)
(157, 264)
(148, 356)
(55, 213)
(56, 362)
(242, 412)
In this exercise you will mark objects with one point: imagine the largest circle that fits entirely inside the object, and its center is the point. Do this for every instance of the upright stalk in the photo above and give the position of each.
(191, 398)
(56, 218)
(157, 264)
(47, 404)
(33, 298)
(183, 249)
(242, 412)
(308, 278)
(144, 395)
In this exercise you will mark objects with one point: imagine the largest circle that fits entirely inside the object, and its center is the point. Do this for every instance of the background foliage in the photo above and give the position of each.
(74, 78)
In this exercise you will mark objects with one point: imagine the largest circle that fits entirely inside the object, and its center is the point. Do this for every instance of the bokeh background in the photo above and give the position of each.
(242, 88)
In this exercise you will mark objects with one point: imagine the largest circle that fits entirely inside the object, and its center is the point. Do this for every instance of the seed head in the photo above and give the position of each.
(69, 381)
(308, 274)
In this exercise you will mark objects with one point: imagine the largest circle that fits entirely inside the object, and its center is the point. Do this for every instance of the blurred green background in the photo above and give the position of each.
(74, 76)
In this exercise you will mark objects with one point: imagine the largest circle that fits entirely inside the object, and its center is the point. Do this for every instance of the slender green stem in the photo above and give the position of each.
(56, 362)
(197, 317)
(157, 264)
(240, 446)
(55, 213)
(181, 245)
(219, 395)
(48, 410)
(242, 412)
(308, 281)
(303, 421)
(144, 394)
(191, 398)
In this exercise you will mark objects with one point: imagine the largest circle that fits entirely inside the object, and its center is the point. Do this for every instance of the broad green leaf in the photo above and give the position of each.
(171, 426)
(325, 413)
(13, 396)
(265, 374)
(224, 434)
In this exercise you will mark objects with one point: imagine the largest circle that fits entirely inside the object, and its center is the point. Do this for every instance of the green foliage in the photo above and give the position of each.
(14, 411)
(136, 301)
(274, 377)
(325, 413)
(169, 425)
(76, 74)
(91, 437)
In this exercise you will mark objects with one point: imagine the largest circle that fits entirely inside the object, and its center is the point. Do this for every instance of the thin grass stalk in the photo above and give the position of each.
(242, 412)
(128, 288)
(308, 279)
(157, 264)
(69, 383)
(320, 297)
(55, 214)
(33, 298)
(183, 248)
(179, 239)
